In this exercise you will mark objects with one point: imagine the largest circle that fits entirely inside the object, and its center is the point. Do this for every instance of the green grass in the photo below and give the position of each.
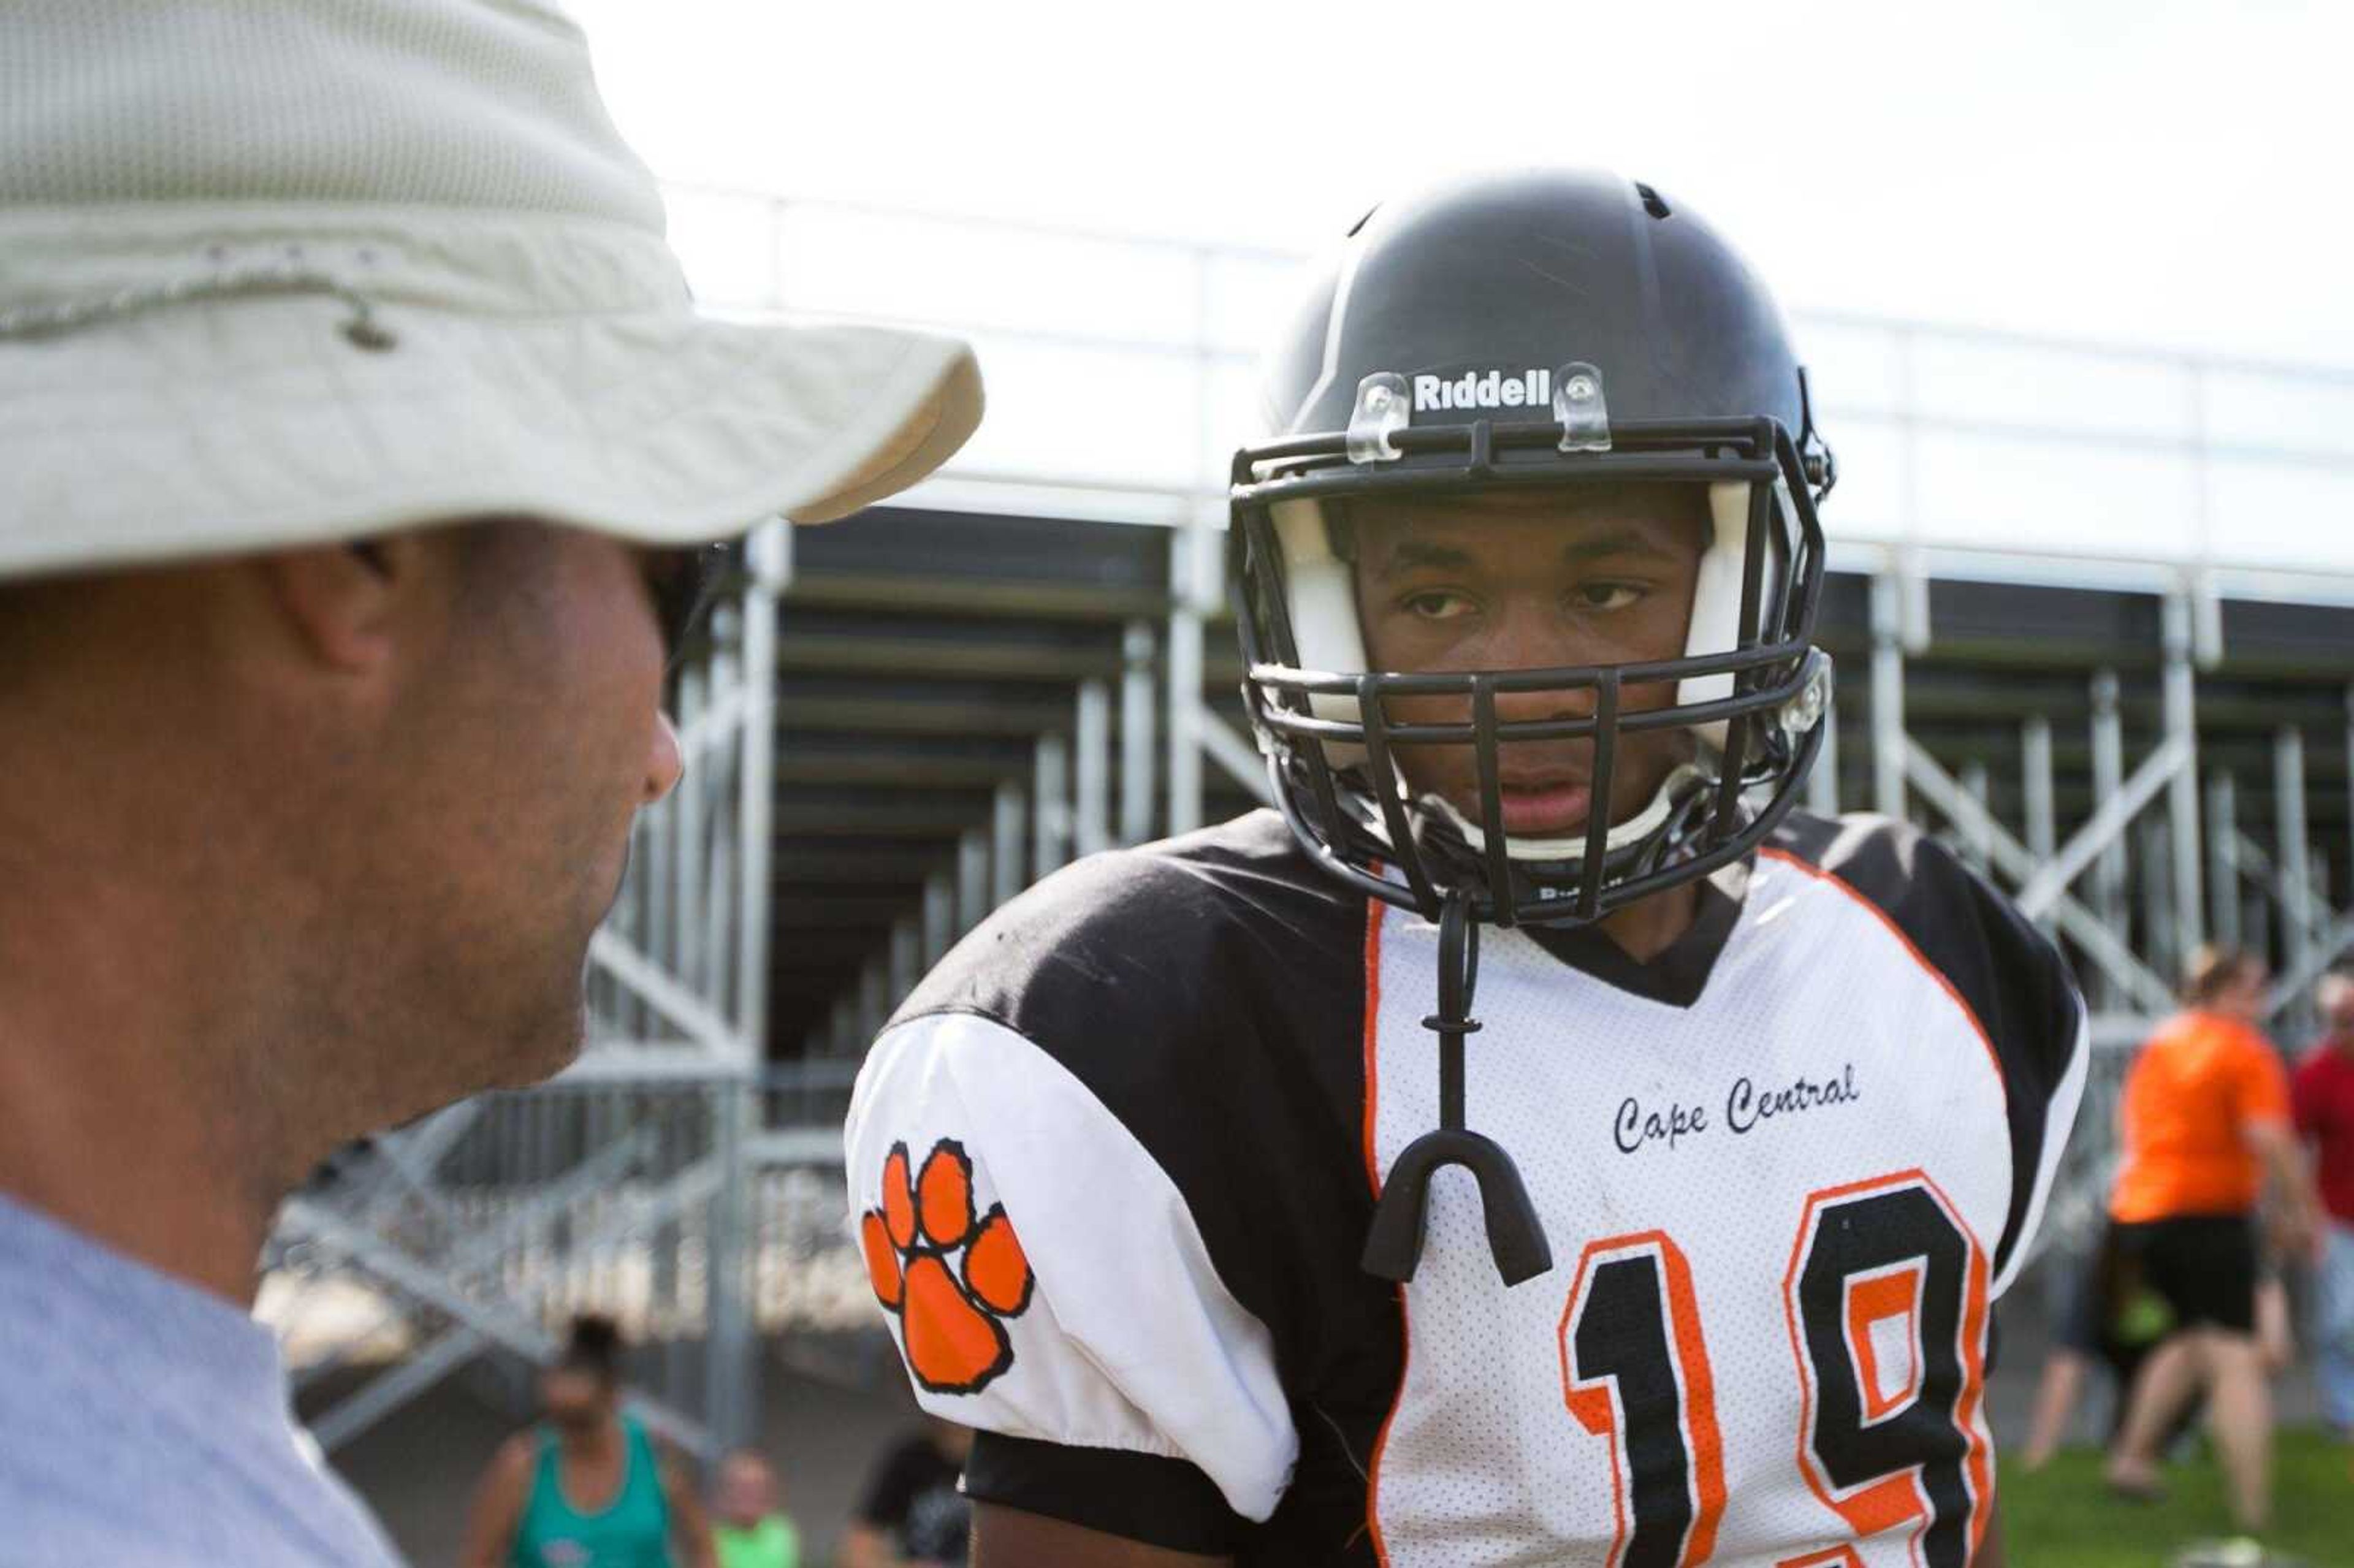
(2061, 1516)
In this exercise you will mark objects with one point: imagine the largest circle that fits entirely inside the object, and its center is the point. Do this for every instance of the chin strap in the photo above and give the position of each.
(1393, 1246)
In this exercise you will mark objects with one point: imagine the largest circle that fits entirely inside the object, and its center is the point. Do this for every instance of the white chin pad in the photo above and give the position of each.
(1322, 591)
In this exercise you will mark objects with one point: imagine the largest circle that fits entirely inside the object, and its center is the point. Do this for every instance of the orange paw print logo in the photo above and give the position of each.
(951, 1313)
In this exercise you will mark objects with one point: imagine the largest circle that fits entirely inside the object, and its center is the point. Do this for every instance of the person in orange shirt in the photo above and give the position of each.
(2205, 1121)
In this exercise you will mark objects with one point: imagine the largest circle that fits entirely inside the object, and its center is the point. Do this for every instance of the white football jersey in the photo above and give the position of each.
(1115, 1162)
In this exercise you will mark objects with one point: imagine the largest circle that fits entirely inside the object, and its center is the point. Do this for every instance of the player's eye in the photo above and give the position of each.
(1605, 595)
(1436, 604)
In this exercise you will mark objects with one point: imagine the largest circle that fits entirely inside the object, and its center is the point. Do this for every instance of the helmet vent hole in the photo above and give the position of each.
(1651, 202)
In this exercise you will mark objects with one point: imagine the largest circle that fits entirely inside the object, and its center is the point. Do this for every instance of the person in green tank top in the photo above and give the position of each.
(586, 1489)
(749, 1526)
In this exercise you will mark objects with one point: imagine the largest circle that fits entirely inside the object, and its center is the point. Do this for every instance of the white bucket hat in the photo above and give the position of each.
(283, 271)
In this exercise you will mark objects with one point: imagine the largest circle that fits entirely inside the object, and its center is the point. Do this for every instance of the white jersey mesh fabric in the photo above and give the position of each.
(1632, 1118)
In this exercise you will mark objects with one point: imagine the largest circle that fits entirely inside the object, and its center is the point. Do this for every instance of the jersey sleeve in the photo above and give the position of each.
(1049, 1286)
(2042, 1035)
(2036, 1019)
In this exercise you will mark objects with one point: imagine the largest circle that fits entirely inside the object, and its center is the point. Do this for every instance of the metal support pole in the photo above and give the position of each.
(1050, 804)
(906, 960)
(1136, 748)
(939, 919)
(1823, 783)
(874, 998)
(771, 554)
(1093, 736)
(1887, 693)
(2036, 789)
(2223, 857)
(720, 901)
(1977, 850)
(1188, 597)
(2108, 779)
(2292, 854)
(2182, 795)
(1005, 856)
(732, 1364)
(688, 804)
(2158, 925)
(972, 881)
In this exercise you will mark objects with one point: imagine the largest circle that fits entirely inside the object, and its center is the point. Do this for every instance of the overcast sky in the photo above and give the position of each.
(2166, 175)
(2173, 174)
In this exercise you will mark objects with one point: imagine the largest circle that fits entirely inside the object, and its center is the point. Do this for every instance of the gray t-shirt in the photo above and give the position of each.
(144, 1423)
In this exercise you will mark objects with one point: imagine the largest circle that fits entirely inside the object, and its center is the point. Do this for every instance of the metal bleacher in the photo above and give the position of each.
(935, 657)
(965, 702)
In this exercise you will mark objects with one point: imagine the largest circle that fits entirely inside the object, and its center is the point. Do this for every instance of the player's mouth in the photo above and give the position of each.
(1544, 807)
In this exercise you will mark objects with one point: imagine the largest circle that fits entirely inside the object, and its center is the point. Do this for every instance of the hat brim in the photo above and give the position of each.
(237, 426)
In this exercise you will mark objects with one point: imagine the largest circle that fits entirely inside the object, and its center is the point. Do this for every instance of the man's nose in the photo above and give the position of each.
(1531, 638)
(665, 763)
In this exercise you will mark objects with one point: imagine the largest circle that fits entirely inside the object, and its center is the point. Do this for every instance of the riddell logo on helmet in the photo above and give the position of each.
(1487, 390)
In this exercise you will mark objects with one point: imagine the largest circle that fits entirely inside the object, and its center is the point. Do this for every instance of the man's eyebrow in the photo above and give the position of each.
(1617, 542)
(1407, 555)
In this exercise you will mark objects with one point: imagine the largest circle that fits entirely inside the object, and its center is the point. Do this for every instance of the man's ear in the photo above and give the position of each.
(342, 601)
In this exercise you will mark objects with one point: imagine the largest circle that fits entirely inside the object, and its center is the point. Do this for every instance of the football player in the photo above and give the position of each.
(1536, 1141)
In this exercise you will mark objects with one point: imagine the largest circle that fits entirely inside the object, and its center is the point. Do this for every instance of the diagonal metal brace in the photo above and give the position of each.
(2108, 824)
(693, 1017)
(2011, 858)
(485, 1249)
(496, 1325)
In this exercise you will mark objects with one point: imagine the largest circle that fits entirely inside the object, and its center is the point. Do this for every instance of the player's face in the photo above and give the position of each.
(1572, 576)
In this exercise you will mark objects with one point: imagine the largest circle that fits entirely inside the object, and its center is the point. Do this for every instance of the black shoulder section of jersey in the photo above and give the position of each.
(1210, 991)
(2008, 973)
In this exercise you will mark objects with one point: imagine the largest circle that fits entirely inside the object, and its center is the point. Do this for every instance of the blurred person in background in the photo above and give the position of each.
(362, 445)
(2205, 1124)
(586, 1489)
(2324, 1099)
(749, 1524)
(913, 1514)
(2114, 1322)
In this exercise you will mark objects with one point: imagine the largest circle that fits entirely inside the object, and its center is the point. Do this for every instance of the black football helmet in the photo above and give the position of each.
(1513, 331)
(1523, 329)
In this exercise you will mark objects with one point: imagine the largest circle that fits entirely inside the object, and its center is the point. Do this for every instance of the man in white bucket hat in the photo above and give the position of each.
(356, 435)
